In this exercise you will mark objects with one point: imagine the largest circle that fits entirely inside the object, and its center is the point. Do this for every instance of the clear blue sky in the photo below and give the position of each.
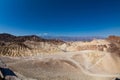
(60, 17)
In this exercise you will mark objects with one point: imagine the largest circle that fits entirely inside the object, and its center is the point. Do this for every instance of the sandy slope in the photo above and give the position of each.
(82, 65)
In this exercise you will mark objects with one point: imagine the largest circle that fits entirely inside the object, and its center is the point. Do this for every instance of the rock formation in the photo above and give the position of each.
(115, 45)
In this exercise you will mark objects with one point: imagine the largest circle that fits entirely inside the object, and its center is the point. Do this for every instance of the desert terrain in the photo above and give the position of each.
(35, 58)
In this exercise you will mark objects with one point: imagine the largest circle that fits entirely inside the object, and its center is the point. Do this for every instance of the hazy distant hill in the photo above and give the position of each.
(72, 38)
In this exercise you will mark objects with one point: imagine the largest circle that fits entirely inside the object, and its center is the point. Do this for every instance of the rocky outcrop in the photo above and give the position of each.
(115, 45)
(6, 73)
(114, 39)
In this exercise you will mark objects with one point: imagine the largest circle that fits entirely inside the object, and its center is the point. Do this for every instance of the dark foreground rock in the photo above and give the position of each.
(6, 73)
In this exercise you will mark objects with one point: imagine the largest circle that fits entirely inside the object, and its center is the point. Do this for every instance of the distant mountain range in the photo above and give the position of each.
(5, 37)
(8, 37)
(72, 38)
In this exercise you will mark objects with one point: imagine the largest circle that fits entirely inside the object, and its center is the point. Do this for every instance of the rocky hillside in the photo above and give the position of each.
(11, 45)
(110, 44)
(101, 45)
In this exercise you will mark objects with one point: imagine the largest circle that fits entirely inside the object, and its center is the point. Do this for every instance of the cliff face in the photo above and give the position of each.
(26, 45)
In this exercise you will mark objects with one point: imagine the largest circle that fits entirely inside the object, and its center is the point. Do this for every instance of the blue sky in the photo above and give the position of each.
(60, 17)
